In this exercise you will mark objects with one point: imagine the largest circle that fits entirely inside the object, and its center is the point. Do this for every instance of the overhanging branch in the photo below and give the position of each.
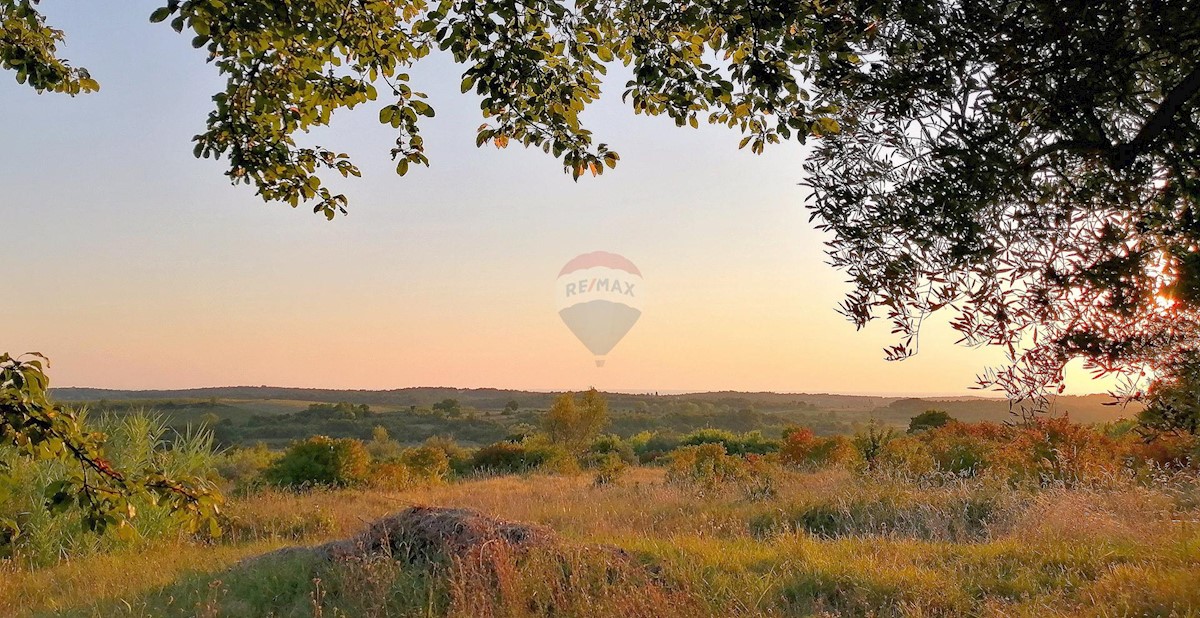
(1121, 155)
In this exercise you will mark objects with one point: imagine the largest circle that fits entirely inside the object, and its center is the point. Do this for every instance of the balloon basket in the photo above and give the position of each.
(599, 362)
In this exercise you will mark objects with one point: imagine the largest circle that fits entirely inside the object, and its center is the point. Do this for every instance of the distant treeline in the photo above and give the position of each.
(1089, 408)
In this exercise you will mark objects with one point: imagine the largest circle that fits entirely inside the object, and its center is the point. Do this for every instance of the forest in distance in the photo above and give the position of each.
(275, 416)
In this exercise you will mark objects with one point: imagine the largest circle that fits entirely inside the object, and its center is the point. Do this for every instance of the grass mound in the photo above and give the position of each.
(485, 566)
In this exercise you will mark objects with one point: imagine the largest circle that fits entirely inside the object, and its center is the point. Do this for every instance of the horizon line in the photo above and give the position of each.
(988, 395)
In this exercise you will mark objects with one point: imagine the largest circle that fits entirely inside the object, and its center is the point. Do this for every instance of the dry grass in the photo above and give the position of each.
(883, 548)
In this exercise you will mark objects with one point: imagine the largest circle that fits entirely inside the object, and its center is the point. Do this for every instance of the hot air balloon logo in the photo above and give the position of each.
(599, 297)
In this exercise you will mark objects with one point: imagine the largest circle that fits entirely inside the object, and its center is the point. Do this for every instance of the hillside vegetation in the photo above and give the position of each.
(945, 518)
(276, 416)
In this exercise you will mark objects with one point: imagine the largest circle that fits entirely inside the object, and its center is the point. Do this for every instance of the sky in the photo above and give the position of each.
(132, 264)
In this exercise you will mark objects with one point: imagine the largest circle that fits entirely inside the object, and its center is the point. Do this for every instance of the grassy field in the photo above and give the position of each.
(826, 543)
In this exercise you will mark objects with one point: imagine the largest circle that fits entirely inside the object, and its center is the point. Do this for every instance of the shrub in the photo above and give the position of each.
(574, 424)
(652, 446)
(759, 479)
(704, 466)
(519, 457)
(929, 419)
(613, 444)
(836, 451)
(382, 447)
(1055, 450)
(798, 446)
(609, 468)
(459, 457)
(871, 442)
(502, 457)
(1166, 451)
(965, 449)
(390, 476)
(243, 467)
(427, 463)
(908, 457)
(747, 443)
(802, 448)
(321, 460)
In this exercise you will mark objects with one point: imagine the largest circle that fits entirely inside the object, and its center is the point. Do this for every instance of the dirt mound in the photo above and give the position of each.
(426, 534)
(494, 568)
(421, 534)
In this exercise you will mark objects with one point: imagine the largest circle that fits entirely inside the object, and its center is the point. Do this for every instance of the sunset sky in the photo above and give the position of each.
(133, 265)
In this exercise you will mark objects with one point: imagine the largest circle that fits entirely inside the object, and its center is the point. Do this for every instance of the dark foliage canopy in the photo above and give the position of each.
(1031, 166)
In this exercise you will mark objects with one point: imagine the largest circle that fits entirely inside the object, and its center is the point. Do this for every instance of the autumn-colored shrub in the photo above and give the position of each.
(800, 447)
(459, 457)
(759, 479)
(391, 476)
(907, 456)
(797, 446)
(705, 467)
(1164, 450)
(1055, 450)
(965, 449)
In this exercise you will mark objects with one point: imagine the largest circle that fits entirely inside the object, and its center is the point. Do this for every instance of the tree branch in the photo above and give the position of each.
(1161, 120)
(1122, 155)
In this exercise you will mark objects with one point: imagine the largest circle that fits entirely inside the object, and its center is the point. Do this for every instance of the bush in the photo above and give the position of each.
(798, 446)
(613, 444)
(652, 446)
(803, 449)
(459, 457)
(574, 424)
(704, 466)
(1166, 451)
(520, 457)
(427, 463)
(759, 479)
(871, 442)
(382, 447)
(929, 419)
(908, 457)
(966, 449)
(752, 442)
(609, 468)
(243, 467)
(1057, 451)
(321, 460)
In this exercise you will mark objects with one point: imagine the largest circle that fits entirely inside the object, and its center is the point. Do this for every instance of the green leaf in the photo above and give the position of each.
(160, 15)
(423, 108)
